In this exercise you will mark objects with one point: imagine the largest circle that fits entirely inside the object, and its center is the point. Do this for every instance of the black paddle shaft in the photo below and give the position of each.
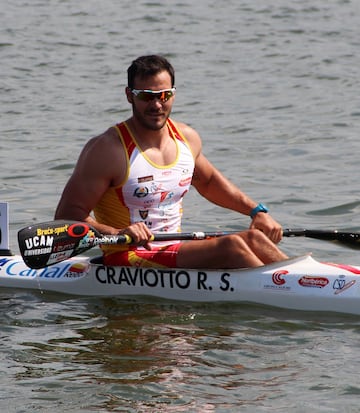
(351, 239)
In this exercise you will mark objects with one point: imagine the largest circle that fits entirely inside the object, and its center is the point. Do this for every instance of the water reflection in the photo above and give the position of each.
(183, 357)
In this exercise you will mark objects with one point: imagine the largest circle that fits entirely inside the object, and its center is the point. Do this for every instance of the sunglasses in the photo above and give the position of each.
(148, 95)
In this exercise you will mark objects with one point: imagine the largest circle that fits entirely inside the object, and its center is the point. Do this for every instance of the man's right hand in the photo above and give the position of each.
(140, 234)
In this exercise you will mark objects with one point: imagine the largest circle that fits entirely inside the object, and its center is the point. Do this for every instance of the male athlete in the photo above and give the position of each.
(132, 179)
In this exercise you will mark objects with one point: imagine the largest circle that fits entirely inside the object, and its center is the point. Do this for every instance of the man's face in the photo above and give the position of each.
(151, 114)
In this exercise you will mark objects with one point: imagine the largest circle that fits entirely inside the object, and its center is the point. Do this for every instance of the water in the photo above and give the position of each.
(272, 87)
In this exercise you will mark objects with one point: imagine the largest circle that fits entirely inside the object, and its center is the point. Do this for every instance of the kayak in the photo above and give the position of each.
(300, 283)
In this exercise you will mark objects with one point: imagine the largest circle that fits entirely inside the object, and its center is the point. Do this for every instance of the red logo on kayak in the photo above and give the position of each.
(79, 269)
(277, 277)
(317, 282)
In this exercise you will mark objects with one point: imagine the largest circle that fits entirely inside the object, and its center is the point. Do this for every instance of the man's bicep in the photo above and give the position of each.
(81, 194)
(202, 173)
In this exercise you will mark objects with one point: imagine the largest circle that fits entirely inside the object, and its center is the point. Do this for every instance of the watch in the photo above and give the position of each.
(258, 208)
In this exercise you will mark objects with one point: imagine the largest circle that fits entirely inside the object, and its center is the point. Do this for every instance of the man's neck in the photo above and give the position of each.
(146, 137)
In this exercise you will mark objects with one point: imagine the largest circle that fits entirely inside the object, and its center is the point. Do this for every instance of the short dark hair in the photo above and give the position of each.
(150, 65)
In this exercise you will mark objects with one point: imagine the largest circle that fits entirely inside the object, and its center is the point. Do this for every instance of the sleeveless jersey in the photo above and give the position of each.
(151, 193)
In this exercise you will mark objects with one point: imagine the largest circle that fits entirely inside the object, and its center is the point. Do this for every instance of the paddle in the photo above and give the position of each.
(350, 239)
(48, 243)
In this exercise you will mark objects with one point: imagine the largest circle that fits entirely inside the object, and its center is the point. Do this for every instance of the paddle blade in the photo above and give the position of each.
(51, 242)
(350, 239)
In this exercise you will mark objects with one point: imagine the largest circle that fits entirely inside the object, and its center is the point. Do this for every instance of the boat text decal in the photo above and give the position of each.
(340, 284)
(160, 278)
(313, 281)
(16, 268)
(278, 281)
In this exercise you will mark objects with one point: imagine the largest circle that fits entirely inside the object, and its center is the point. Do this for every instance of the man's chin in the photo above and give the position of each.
(155, 123)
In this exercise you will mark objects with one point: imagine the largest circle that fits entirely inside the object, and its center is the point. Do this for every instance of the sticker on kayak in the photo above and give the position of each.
(341, 284)
(313, 281)
(278, 281)
(277, 277)
(77, 270)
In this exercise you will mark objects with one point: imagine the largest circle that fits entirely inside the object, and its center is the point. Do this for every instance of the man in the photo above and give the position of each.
(134, 176)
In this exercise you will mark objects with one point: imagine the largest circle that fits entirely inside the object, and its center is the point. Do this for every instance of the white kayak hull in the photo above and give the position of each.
(301, 283)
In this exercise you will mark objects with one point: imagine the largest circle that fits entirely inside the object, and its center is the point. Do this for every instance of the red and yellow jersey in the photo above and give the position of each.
(151, 193)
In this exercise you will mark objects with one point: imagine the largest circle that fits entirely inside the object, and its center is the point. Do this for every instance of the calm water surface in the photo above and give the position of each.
(273, 88)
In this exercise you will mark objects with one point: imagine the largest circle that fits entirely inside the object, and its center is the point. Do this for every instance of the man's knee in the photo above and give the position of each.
(233, 242)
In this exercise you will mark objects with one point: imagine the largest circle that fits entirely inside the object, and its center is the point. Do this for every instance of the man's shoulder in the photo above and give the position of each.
(191, 135)
(188, 131)
(180, 125)
(109, 136)
(104, 144)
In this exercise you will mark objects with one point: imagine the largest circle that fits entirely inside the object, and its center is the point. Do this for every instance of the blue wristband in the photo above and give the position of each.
(258, 208)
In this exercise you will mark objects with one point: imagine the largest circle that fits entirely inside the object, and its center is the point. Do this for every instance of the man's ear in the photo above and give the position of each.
(129, 95)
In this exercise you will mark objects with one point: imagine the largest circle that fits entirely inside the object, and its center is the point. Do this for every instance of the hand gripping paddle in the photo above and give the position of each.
(51, 242)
